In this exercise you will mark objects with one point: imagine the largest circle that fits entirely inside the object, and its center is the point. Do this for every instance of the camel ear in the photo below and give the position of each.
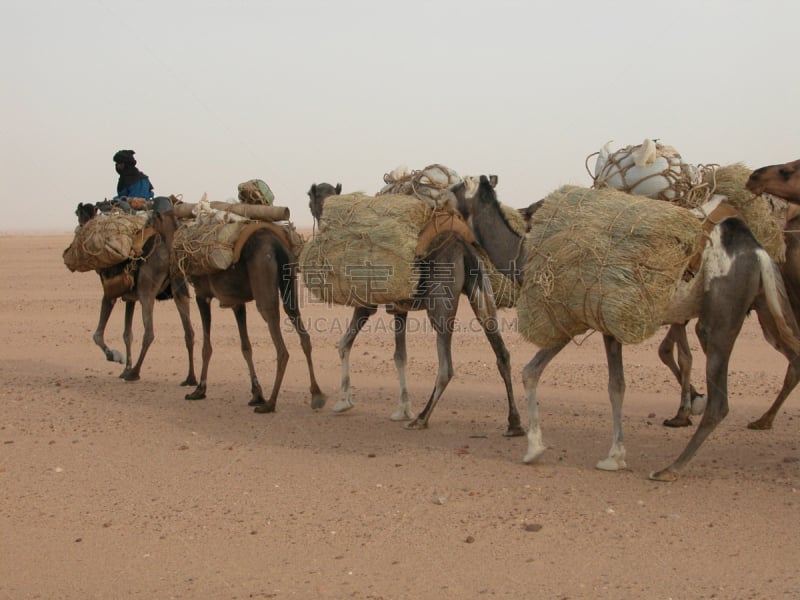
(338, 188)
(313, 190)
(493, 180)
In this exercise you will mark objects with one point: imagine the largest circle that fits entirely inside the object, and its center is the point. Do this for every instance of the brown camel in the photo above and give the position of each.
(153, 280)
(452, 268)
(265, 273)
(781, 180)
(752, 280)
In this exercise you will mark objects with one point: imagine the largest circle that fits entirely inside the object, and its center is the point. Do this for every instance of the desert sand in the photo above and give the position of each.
(126, 490)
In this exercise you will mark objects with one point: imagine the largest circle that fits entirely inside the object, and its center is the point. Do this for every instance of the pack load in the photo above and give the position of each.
(431, 184)
(657, 171)
(255, 191)
(105, 241)
(213, 241)
(604, 260)
(368, 247)
(653, 170)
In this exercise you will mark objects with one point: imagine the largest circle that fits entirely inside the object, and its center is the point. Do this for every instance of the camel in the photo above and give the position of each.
(782, 181)
(266, 271)
(153, 280)
(676, 342)
(441, 289)
(724, 298)
(692, 402)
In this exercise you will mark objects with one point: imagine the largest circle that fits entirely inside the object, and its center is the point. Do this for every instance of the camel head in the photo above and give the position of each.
(85, 212)
(782, 181)
(317, 195)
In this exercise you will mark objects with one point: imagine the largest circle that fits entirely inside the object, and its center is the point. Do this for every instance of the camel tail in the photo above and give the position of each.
(287, 279)
(778, 301)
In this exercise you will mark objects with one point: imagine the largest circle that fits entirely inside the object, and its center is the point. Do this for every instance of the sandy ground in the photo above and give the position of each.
(125, 490)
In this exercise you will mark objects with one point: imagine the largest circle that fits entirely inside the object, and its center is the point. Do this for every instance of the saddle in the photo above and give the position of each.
(443, 220)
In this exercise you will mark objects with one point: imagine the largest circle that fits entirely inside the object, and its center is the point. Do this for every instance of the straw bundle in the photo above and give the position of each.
(364, 252)
(515, 220)
(765, 218)
(506, 291)
(603, 260)
(205, 248)
(103, 242)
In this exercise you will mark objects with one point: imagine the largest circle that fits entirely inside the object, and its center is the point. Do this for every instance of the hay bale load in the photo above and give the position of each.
(105, 241)
(765, 218)
(365, 251)
(603, 260)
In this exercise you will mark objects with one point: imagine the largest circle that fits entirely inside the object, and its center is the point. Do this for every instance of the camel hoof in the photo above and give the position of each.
(130, 376)
(761, 424)
(532, 454)
(678, 422)
(666, 476)
(342, 406)
(514, 431)
(401, 414)
(115, 356)
(416, 425)
(256, 402)
(195, 395)
(318, 401)
(264, 408)
(611, 464)
(699, 404)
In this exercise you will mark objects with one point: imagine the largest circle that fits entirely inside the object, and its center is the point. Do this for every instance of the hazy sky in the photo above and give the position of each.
(210, 94)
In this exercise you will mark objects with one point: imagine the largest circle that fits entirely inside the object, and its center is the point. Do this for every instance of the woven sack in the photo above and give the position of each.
(255, 191)
(205, 248)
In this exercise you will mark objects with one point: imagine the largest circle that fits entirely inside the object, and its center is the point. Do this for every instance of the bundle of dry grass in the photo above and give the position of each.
(604, 260)
(515, 220)
(205, 248)
(364, 253)
(104, 241)
(765, 218)
(505, 290)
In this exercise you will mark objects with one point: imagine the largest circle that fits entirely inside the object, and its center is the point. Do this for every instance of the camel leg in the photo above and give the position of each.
(403, 412)
(530, 379)
(182, 304)
(717, 330)
(256, 393)
(791, 378)
(147, 338)
(106, 306)
(204, 308)
(443, 325)
(127, 337)
(692, 402)
(616, 392)
(292, 309)
(361, 315)
(789, 383)
(488, 320)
